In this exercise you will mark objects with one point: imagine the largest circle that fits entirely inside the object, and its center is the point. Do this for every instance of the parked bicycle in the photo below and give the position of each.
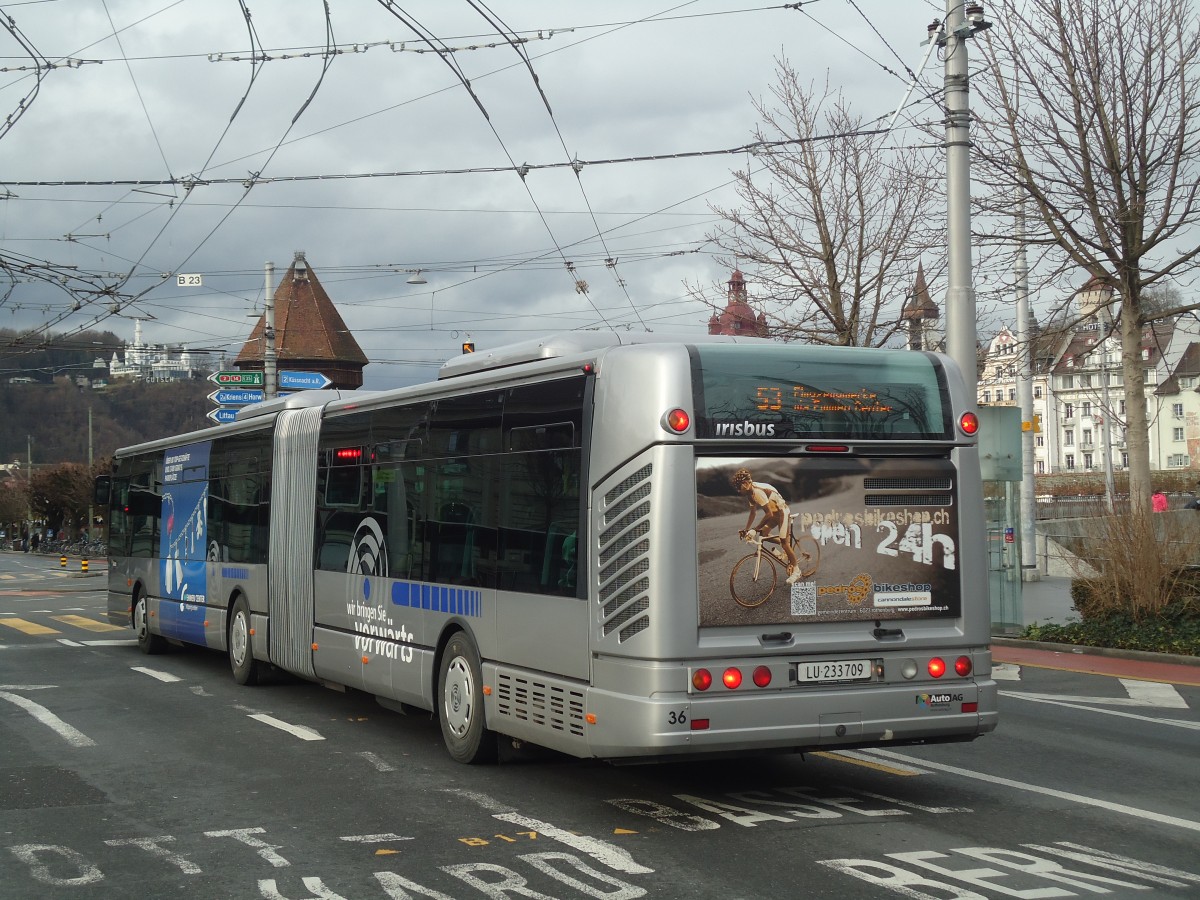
(753, 577)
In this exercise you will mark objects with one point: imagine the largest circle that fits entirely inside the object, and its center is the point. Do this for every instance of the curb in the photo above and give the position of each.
(1112, 653)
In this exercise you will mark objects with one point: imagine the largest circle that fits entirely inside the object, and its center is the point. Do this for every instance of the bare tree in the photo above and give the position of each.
(1095, 123)
(834, 223)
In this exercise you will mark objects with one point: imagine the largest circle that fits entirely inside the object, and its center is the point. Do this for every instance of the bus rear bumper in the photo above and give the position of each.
(825, 719)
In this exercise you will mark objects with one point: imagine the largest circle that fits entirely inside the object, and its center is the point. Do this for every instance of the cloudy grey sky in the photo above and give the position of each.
(162, 92)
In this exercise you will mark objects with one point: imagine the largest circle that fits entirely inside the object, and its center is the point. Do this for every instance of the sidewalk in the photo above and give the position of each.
(1048, 602)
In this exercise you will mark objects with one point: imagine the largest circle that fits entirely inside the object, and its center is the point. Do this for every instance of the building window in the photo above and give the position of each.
(1039, 441)
(1087, 437)
(1124, 460)
(1085, 380)
(1085, 409)
(1069, 438)
(1087, 461)
(987, 396)
(1041, 467)
(1177, 410)
(1177, 460)
(1037, 392)
(1071, 462)
(1068, 410)
(1187, 381)
(1177, 434)
(1068, 381)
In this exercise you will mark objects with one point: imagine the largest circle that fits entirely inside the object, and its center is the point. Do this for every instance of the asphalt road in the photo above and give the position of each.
(123, 775)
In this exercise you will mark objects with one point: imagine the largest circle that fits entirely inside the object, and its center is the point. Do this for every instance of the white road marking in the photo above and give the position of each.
(616, 858)
(26, 687)
(69, 643)
(1120, 808)
(1154, 693)
(1072, 703)
(373, 838)
(154, 673)
(305, 734)
(68, 733)
(1006, 672)
(111, 642)
(377, 762)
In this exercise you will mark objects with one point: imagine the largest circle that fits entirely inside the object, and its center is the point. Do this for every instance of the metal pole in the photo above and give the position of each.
(269, 374)
(1025, 399)
(960, 294)
(91, 509)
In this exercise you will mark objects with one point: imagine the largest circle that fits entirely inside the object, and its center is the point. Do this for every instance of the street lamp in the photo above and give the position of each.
(1105, 313)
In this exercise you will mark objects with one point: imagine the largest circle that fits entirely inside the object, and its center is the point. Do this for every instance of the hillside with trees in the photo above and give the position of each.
(55, 417)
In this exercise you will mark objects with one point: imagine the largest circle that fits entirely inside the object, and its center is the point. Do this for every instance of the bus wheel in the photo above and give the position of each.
(752, 580)
(149, 643)
(241, 656)
(460, 703)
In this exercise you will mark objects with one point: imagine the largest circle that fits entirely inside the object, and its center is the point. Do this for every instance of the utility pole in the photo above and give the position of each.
(961, 338)
(270, 378)
(29, 495)
(91, 509)
(1028, 522)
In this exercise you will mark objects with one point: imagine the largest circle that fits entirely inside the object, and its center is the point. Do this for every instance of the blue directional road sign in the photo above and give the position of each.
(223, 414)
(299, 381)
(236, 396)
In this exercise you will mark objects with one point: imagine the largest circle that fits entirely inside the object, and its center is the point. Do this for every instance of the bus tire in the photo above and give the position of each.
(460, 703)
(149, 643)
(241, 653)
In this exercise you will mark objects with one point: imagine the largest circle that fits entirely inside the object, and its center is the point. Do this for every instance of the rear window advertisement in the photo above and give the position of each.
(825, 540)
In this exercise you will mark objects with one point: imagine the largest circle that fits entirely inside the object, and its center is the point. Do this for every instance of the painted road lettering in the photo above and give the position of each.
(596, 870)
(814, 804)
(1024, 874)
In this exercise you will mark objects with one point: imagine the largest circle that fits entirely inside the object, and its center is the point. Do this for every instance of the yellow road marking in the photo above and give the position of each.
(89, 624)
(858, 761)
(27, 627)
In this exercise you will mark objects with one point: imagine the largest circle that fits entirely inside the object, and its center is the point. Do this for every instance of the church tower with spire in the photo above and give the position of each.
(738, 317)
(310, 335)
(921, 316)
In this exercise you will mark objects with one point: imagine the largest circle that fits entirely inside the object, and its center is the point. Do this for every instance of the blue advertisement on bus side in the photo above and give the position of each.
(183, 542)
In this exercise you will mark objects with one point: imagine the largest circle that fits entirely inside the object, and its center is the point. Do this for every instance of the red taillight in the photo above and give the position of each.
(762, 676)
(677, 420)
(962, 665)
(937, 668)
(702, 679)
(347, 455)
(969, 423)
(970, 706)
(699, 724)
(732, 678)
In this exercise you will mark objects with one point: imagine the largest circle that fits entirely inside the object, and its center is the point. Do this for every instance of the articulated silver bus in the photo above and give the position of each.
(615, 546)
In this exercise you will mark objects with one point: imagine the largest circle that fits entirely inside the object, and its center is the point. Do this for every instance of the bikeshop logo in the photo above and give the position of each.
(856, 591)
(745, 429)
(937, 701)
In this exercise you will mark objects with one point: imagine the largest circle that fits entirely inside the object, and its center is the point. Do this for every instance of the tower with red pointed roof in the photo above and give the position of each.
(310, 335)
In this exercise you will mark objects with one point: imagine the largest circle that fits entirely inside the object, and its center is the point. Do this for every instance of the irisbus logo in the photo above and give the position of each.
(745, 429)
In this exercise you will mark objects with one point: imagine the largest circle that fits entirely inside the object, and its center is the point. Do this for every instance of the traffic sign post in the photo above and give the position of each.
(301, 381)
(237, 379)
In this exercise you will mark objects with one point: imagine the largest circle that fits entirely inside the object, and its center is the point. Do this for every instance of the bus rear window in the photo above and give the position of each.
(771, 391)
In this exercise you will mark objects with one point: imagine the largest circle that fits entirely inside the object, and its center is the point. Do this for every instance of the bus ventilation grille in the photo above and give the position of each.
(907, 500)
(543, 705)
(625, 557)
(930, 483)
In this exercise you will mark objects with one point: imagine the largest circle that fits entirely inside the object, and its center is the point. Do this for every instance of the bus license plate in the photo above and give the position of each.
(835, 670)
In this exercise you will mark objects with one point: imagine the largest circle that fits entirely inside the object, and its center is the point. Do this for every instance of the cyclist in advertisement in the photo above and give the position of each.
(776, 515)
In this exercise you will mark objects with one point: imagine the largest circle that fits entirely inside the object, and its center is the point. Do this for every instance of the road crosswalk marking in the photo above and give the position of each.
(26, 627)
(87, 624)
